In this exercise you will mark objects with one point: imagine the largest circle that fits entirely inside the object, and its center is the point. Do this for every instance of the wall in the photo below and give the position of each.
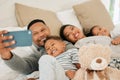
(7, 11)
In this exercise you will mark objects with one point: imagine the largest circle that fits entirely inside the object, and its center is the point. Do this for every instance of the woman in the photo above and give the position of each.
(77, 37)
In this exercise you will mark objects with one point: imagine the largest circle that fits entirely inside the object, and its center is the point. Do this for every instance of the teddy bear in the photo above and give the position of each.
(94, 60)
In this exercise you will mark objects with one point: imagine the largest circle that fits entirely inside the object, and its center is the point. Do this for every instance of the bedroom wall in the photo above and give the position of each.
(7, 12)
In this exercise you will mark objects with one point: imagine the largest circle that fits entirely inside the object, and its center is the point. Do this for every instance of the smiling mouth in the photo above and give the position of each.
(76, 35)
(53, 51)
(43, 39)
(103, 33)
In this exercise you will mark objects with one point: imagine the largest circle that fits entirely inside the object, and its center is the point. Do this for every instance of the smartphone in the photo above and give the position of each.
(22, 38)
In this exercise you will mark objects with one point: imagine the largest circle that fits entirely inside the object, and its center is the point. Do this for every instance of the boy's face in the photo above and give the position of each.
(100, 31)
(39, 33)
(54, 47)
(73, 33)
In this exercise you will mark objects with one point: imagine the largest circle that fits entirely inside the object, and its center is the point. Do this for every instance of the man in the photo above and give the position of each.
(28, 64)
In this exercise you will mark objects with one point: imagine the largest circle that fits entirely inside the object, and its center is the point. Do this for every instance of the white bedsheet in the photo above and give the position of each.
(35, 75)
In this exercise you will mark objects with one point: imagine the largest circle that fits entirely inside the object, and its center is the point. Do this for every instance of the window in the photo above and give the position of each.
(115, 10)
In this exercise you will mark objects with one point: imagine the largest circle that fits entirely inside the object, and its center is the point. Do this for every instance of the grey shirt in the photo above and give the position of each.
(29, 64)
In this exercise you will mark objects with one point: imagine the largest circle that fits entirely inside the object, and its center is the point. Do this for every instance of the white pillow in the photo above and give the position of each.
(68, 17)
(12, 28)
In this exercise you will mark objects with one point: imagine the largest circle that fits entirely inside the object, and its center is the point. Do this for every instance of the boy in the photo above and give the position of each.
(68, 59)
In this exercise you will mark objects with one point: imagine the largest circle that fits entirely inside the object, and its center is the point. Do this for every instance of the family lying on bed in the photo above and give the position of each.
(51, 68)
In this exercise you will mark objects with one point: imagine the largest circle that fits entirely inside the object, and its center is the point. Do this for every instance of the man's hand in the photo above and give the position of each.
(4, 51)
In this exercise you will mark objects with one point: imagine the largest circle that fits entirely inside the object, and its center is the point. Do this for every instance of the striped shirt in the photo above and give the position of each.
(67, 58)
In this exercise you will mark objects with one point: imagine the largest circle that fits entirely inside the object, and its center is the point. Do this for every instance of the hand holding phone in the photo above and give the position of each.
(22, 38)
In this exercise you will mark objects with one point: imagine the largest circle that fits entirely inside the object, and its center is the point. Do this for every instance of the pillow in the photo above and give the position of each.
(92, 13)
(12, 28)
(68, 17)
(25, 14)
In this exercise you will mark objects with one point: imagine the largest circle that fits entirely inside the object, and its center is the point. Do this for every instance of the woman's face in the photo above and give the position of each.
(54, 47)
(73, 34)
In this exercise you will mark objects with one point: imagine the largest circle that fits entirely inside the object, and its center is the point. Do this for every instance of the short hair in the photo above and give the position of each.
(62, 31)
(53, 37)
(35, 21)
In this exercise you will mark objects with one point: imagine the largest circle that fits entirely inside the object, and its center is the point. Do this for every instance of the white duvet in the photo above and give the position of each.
(104, 40)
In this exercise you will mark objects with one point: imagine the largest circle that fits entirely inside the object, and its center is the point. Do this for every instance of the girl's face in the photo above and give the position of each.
(100, 31)
(54, 47)
(73, 33)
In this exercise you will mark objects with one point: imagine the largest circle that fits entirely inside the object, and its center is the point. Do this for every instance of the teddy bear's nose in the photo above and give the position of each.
(98, 61)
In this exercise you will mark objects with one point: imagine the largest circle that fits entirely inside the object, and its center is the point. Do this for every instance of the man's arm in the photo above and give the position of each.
(23, 65)
(26, 65)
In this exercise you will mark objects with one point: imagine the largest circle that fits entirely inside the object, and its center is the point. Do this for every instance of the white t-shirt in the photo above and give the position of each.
(115, 32)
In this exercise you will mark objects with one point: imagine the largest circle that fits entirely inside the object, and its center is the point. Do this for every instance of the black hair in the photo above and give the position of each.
(62, 31)
(53, 37)
(35, 21)
(91, 31)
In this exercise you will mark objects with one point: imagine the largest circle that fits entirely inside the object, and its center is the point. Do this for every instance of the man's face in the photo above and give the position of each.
(39, 33)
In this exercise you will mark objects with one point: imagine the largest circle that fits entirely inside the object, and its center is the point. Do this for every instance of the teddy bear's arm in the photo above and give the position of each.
(113, 73)
(79, 74)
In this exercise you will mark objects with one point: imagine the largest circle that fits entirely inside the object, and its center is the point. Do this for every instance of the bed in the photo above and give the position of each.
(15, 17)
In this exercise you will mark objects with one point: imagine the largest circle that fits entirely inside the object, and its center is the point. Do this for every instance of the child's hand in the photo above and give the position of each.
(31, 79)
(70, 74)
(116, 41)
